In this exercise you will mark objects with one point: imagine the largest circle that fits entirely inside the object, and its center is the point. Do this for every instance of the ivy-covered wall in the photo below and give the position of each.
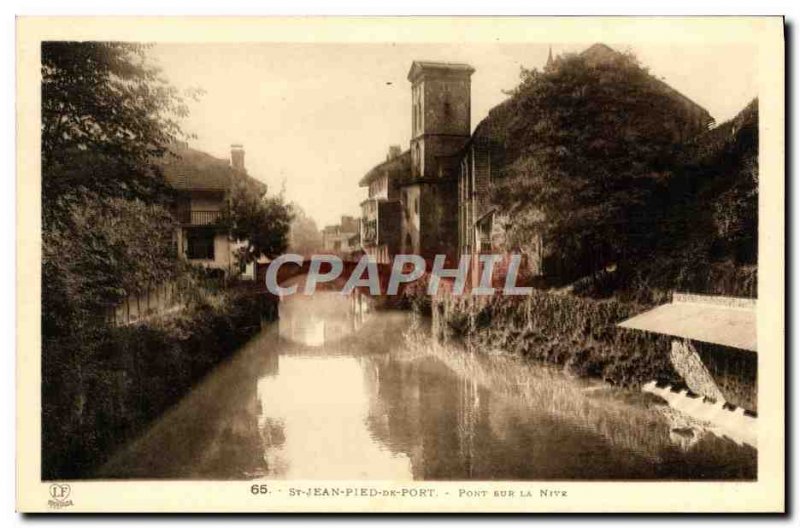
(101, 391)
(579, 333)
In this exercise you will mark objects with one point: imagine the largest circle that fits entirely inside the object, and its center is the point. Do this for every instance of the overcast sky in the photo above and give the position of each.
(319, 116)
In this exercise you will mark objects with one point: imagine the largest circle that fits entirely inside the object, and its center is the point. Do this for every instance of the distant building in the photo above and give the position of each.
(342, 238)
(204, 184)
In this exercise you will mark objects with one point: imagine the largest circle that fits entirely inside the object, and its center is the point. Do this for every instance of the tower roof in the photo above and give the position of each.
(419, 68)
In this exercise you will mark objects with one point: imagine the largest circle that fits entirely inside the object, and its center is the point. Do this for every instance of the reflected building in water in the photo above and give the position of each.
(334, 391)
(460, 415)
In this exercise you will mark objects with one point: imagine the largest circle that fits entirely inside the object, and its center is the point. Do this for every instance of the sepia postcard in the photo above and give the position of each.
(445, 264)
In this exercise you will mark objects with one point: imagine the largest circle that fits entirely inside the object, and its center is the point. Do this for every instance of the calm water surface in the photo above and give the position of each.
(331, 392)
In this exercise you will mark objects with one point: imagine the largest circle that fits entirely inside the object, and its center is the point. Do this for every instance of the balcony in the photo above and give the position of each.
(199, 217)
(369, 232)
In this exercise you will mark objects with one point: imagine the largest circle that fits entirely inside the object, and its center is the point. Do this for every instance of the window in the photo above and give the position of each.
(200, 244)
(416, 205)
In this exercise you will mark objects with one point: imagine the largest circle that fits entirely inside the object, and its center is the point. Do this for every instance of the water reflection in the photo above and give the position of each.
(334, 391)
(324, 318)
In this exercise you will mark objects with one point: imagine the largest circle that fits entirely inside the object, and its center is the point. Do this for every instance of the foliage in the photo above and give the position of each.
(105, 101)
(108, 389)
(592, 144)
(106, 231)
(259, 220)
(708, 236)
(107, 119)
(106, 116)
(576, 332)
(305, 238)
(103, 251)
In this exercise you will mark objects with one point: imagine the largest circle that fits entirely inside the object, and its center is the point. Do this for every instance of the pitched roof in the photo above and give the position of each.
(401, 163)
(187, 169)
(600, 52)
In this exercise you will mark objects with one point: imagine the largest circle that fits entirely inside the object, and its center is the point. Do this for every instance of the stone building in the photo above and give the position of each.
(412, 204)
(440, 127)
(435, 198)
(481, 225)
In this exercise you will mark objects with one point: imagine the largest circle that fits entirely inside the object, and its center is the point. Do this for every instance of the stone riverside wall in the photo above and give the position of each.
(100, 391)
(690, 365)
(734, 371)
(579, 333)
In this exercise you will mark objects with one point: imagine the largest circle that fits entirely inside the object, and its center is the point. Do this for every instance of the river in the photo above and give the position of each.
(336, 391)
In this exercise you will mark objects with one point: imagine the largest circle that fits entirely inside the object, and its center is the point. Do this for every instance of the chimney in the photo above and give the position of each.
(237, 157)
(394, 151)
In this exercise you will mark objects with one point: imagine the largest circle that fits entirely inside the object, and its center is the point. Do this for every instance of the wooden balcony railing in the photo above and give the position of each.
(197, 217)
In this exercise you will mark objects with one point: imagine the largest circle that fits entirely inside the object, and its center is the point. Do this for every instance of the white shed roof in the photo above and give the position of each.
(728, 321)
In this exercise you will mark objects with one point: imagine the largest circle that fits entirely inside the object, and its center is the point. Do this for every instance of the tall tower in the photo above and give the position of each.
(440, 127)
(440, 115)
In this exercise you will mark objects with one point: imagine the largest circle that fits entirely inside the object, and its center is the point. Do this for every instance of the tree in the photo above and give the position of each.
(257, 219)
(305, 237)
(709, 234)
(104, 102)
(106, 118)
(106, 233)
(589, 145)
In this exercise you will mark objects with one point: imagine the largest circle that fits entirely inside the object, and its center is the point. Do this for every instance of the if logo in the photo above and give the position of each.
(59, 495)
(59, 491)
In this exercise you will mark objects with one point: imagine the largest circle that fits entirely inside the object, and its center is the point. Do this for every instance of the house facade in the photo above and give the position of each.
(382, 212)
(203, 184)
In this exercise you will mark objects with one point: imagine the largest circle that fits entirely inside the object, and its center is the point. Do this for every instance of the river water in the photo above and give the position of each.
(335, 391)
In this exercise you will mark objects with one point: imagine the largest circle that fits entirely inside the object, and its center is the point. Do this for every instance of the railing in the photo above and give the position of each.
(369, 233)
(197, 217)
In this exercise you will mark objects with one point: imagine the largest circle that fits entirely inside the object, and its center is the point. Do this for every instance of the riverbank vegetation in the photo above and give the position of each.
(631, 197)
(575, 332)
(103, 388)
(630, 208)
(108, 231)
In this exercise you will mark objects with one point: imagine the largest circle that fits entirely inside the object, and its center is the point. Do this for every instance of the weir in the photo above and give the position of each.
(733, 423)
